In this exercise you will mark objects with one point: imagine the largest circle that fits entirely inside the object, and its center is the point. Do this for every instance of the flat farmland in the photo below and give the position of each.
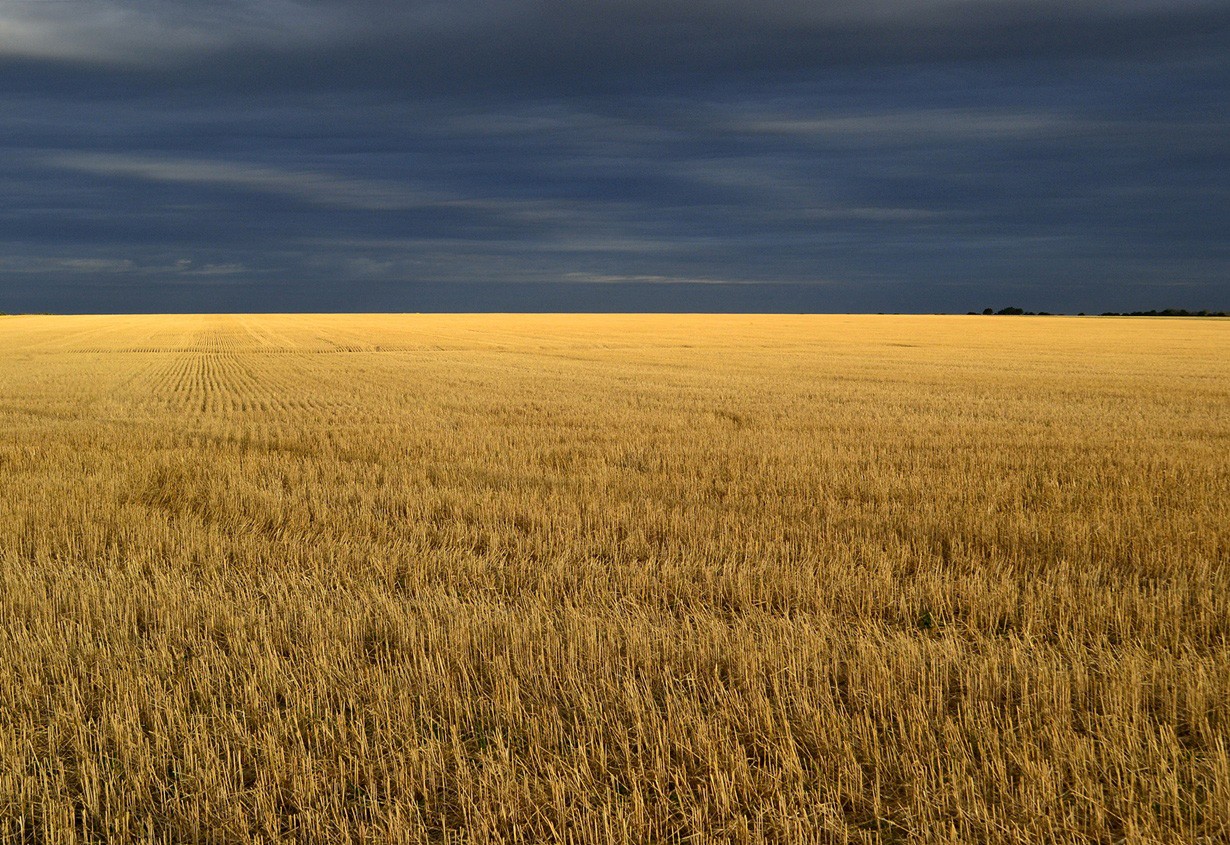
(528, 578)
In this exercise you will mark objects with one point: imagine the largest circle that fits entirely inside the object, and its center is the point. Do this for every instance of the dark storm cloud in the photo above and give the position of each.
(768, 156)
(512, 45)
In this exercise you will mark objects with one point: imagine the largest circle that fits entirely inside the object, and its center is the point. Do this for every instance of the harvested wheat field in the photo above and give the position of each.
(614, 579)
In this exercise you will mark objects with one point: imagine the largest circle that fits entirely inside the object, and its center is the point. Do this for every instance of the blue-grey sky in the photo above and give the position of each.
(763, 155)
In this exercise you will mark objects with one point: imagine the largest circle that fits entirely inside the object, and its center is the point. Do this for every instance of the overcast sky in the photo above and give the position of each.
(766, 155)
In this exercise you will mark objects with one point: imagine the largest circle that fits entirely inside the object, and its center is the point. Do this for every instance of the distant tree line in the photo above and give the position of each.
(1012, 310)
(1166, 312)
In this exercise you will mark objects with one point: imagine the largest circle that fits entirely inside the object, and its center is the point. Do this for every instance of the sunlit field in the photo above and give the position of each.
(614, 579)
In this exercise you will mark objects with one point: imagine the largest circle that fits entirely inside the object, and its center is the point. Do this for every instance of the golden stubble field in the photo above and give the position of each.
(614, 579)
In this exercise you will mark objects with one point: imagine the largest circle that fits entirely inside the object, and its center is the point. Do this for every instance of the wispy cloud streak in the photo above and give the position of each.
(310, 186)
